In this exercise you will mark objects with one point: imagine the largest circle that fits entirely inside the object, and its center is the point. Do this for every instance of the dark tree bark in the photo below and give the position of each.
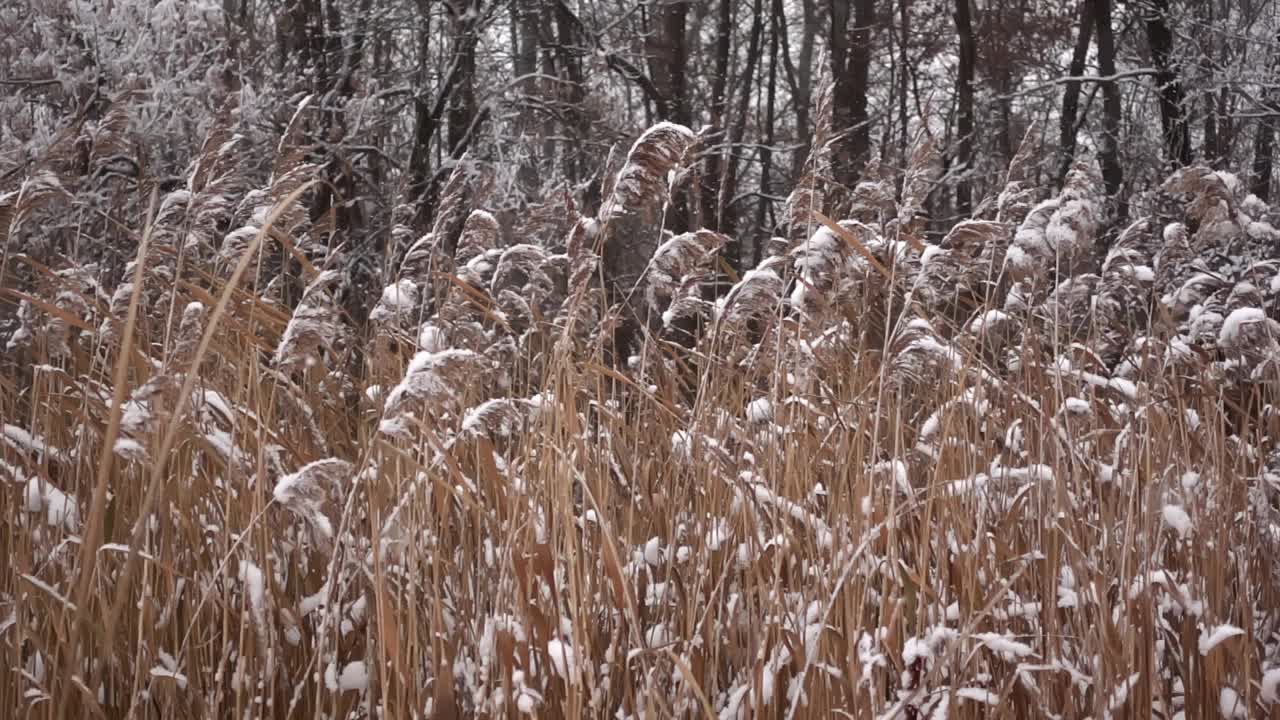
(904, 69)
(762, 232)
(1109, 153)
(573, 39)
(709, 210)
(1264, 141)
(1263, 149)
(462, 101)
(1068, 125)
(302, 34)
(428, 113)
(1212, 149)
(850, 54)
(729, 183)
(335, 59)
(800, 78)
(668, 59)
(568, 67)
(454, 105)
(525, 41)
(1173, 120)
(964, 111)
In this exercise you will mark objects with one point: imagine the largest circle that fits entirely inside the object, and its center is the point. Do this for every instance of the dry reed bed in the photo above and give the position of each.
(995, 476)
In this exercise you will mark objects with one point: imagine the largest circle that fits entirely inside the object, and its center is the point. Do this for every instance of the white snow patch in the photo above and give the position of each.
(160, 671)
(719, 534)
(653, 552)
(354, 677)
(1235, 322)
(314, 602)
(59, 508)
(990, 317)
(1077, 406)
(1231, 705)
(1271, 686)
(1034, 473)
(1120, 695)
(527, 701)
(680, 445)
(978, 695)
(431, 339)
(1004, 645)
(256, 590)
(34, 495)
(563, 660)
(21, 439)
(398, 299)
(129, 449)
(657, 636)
(1210, 639)
(1177, 518)
(926, 646)
(760, 410)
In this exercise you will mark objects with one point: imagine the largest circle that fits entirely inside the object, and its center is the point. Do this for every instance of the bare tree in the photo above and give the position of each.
(1173, 120)
(738, 130)
(1068, 124)
(1109, 153)
(668, 59)
(964, 113)
(709, 205)
(850, 57)
(1264, 140)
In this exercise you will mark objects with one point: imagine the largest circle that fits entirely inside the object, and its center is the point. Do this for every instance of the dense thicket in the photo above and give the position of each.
(374, 359)
(544, 94)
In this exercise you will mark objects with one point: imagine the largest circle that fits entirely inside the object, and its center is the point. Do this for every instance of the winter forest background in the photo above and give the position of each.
(734, 359)
(547, 95)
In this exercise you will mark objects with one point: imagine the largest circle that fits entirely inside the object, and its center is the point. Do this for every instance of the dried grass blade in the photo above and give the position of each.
(184, 397)
(854, 243)
(97, 509)
(52, 309)
(615, 375)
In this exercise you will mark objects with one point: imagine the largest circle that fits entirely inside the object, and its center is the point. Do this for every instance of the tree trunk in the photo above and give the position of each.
(1206, 58)
(1069, 126)
(729, 183)
(708, 211)
(424, 123)
(668, 59)
(524, 53)
(1262, 153)
(454, 103)
(850, 54)
(569, 69)
(1173, 121)
(763, 231)
(964, 121)
(1109, 153)
(668, 67)
(904, 68)
(802, 76)
(1264, 141)
(462, 101)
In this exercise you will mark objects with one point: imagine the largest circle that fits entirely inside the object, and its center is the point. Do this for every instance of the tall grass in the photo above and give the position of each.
(996, 476)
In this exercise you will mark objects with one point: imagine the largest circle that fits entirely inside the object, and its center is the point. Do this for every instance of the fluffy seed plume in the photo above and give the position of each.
(305, 491)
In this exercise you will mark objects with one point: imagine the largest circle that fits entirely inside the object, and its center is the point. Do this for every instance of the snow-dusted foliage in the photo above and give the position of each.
(1023, 466)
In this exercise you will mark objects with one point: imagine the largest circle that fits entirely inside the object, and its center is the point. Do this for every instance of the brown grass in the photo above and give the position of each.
(867, 506)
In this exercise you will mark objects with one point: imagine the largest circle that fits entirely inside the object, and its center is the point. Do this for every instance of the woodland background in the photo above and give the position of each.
(549, 94)
(736, 359)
